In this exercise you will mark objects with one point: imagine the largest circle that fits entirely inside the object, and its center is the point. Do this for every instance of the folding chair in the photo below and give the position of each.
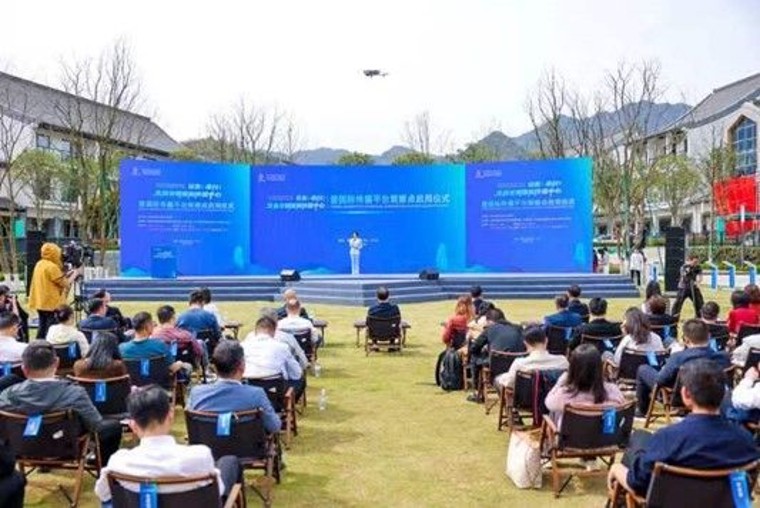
(109, 396)
(283, 402)
(9, 368)
(152, 371)
(585, 433)
(630, 361)
(557, 338)
(67, 354)
(745, 330)
(186, 354)
(682, 487)
(211, 338)
(183, 491)
(247, 440)
(383, 333)
(60, 442)
(670, 399)
(668, 333)
(753, 358)
(527, 398)
(89, 332)
(603, 344)
(303, 337)
(499, 363)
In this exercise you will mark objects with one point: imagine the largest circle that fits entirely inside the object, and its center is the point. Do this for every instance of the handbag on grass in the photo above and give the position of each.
(524, 459)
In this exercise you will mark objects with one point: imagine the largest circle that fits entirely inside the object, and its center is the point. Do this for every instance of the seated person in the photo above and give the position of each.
(576, 305)
(702, 440)
(456, 326)
(638, 335)
(9, 303)
(538, 357)
(598, 326)
(65, 330)
(168, 332)
(476, 292)
(583, 383)
(741, 313)
(746, 396)
(143, 345)
(287, 295)
(42, 392)
(563, 317)
(383, 308)
(158, 454)
(696, 340)
(112, 311)
(197, 320)
(103, 360)
(11, 349)
(753, 291)
(293, 322)
(286, 338)
(208, 306)
(267, 357)
(653, 289)
(12, 482)
(228, 394)
(658, 315)
(710, 314)
(740, 354)
(96, 319)
(498, 335)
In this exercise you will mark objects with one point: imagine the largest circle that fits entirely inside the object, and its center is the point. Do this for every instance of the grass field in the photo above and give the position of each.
(389, 436)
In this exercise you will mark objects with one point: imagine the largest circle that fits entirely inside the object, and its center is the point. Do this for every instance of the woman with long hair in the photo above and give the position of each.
(638, 334)
(455, 330)
(651, 290)
(103, 360)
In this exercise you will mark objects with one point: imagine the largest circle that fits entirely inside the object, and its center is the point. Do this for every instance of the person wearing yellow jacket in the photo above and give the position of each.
(49, 286)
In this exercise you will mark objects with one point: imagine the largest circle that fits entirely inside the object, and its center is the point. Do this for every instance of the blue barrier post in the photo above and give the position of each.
(713, 275)
(752, 271)
(731, 275)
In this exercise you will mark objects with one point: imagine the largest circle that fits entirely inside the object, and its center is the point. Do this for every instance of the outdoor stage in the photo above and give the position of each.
(360, 290)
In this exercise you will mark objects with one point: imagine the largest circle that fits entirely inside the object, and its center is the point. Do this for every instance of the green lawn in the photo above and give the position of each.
(389, 436)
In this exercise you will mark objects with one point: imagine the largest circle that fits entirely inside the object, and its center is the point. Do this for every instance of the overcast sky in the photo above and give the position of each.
(470, 63)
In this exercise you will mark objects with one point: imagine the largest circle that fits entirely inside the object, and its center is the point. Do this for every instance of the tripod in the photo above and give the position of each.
(79, 298)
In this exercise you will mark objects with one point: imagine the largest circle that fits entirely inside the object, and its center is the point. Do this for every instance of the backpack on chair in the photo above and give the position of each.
(448, 370)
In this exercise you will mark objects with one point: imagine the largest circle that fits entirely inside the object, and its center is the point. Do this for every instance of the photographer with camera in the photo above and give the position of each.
(9, 303)
(49, 286)
(688, 286)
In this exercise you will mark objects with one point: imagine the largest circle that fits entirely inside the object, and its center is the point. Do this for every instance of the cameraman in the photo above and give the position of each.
(9, 303)
(48, 286)
(688, 286)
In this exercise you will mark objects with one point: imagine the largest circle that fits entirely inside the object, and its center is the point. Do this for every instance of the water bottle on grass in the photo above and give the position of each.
(323, 400)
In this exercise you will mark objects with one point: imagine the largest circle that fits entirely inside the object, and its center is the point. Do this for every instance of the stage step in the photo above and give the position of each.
(344, 290)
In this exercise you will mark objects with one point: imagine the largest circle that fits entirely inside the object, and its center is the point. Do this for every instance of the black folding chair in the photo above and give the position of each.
(499, 363)
(67, 354)
(211, 338)
(527, 398)
(89, 332)
(246, 438)
(745, 330)
(303, 338)
(385, 333)
(283, 402)
(668, 333)
(152, 371)
(603, 344)
(753, 358)
(669, 397)
(584, 434)
(179, 491)
(630, 361)
(109, 396)
(557, 339)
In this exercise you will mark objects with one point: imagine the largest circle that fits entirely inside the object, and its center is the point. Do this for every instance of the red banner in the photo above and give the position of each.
(730, 195)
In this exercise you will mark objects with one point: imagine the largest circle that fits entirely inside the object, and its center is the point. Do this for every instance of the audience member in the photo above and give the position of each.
(498, 335)
(168, 332)
(455, 329)
(287, 295)
(746, 395)
(638, 335)
(598, 326)
(12, 482)
(266, 357)
(96, 319)
(383, 308)
(583, 383)
(9, 303)
(741, 313)
(103, 360)
(658, 315)
(42, 392)
(476, 293)
(575, 305)
(143, 345)
(702, 440)
(66, 331)
(197, 320)
(286, 338)
(228, 393)
(158, 454)
(11, 349)
(696, 340)
(293, 322)
(112, 311)
(538, 357)
(563, 317)
(652, 289)
(753, 291)
(711, 313)
(211, 307)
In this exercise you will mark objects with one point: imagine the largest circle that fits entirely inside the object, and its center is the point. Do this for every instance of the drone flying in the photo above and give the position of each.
(374, 73)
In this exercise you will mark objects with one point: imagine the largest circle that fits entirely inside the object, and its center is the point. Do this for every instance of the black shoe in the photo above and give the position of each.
(475, 398)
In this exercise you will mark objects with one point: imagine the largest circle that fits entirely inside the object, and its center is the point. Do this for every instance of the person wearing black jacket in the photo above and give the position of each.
(498, 335)
(112, 311)
(576, 306)
(598, 326)
(12, 482)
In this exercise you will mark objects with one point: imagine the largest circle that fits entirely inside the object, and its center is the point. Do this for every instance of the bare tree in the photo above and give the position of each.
(423, 137)
(293, 140)
(548, 108)
(247, 133)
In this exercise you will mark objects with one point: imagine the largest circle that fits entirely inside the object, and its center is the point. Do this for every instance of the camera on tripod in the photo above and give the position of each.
(76, 255)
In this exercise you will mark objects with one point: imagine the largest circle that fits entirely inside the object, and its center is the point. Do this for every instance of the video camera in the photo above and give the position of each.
(75, 255)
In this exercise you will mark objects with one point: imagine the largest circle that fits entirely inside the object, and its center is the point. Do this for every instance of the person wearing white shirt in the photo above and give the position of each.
(287, 338)
(293, 322)
(355, 245)
(158, 454)
(746, 395)
(538, 358)
(636, 266)
(211, 307)
(267, 357)
(65, 330)
(739, 355)
(10, 348)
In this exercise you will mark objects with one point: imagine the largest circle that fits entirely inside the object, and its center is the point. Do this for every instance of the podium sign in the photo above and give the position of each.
(163, 262)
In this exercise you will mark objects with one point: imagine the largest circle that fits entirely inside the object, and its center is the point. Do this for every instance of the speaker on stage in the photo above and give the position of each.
(675, 256)
(429, 274)
(289, 275)
(34, 241)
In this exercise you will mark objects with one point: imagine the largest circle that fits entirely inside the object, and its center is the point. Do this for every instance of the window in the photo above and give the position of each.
(43, 141)
(744, 140)
(64, 149)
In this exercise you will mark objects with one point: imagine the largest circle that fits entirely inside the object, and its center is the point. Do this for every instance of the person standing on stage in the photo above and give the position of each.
(47, 290)
(355, 245)
(688, 286)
